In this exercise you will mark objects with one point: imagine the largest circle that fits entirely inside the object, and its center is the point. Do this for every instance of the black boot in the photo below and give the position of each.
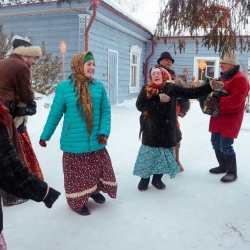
(222, 167)
(143, 184)
(84, 211)
(231, 169)
(97, 197)
(157, 183)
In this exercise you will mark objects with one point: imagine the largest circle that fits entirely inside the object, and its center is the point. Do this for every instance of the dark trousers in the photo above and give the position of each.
(222, 143)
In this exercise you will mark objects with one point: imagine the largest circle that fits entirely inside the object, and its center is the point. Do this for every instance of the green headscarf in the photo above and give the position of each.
(88, 57)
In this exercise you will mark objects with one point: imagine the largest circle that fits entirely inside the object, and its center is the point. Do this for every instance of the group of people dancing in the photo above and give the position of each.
(83, 104)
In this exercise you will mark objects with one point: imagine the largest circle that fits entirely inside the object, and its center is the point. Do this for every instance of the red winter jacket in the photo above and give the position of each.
(231, 107)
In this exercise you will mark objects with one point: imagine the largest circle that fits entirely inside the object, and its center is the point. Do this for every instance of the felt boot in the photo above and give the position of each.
(231, 174)
(97, 197)
(143, 184)
(84, 211)
(222, 168)
(157, 183)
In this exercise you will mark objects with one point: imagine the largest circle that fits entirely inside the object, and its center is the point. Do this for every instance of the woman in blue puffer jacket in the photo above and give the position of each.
(86, 163)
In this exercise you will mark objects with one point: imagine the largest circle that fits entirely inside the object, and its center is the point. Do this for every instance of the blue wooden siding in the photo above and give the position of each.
(186, 59)
(55, 27)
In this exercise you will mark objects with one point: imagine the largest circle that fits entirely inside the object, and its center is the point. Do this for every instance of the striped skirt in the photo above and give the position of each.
(85, 173)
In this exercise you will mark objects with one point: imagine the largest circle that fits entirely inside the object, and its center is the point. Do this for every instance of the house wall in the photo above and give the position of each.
(186, 58)
(47, 22)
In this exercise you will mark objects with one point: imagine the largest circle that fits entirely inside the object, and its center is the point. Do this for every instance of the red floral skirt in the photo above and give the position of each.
(85, 173)
(30, 155)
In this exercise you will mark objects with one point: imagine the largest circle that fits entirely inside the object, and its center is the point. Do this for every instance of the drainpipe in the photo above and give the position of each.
(94, 5)
(147, 60)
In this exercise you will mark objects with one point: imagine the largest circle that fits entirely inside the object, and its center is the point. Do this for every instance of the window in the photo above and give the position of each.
(211, 69)
(135, 56)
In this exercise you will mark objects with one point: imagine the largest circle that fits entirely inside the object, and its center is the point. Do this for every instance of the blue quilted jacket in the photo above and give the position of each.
(74, 135)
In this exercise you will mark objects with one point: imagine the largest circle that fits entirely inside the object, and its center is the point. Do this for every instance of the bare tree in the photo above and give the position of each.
(5, 43)
(219, 24)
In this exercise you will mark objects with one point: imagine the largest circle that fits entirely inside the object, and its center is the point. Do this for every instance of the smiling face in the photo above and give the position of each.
(167, 63)
(89, 68)
(156, 76)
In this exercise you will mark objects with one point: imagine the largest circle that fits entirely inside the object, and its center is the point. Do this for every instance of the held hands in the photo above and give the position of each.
(102, 139)
(51, 197)
(42, 143)
(164, 97)
(216, 84)
(210, 103)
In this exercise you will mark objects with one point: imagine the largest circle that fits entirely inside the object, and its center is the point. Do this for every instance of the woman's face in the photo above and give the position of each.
(156, 77)
(89, 68)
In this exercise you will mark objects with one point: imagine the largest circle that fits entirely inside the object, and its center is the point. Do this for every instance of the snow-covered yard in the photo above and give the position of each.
(196, 211)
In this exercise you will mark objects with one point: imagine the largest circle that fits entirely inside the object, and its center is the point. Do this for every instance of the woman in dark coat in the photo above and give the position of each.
(160, 132)
(15, 178)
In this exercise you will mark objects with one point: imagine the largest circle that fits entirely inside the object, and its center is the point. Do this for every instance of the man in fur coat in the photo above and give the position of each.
(15, 88)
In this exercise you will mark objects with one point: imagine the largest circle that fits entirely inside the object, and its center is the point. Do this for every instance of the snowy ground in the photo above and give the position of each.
(196, 211)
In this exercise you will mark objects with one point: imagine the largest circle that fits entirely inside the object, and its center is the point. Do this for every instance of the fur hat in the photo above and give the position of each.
(230, 58)
(24, 48)
(165, 55)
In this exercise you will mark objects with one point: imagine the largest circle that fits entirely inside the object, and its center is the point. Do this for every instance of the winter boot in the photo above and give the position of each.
(177, 153)
(97, 197)
(231, 169)
(143, 184)
(84, 211)
(10, 200)
(157, 183)
(222, 163)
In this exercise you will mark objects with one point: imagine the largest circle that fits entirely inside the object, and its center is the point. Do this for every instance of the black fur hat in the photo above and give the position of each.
(24, 48)
(165, 55)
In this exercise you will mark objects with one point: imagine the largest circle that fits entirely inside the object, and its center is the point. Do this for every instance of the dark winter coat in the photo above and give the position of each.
(15, 177)
(231, 107)
(159, 129)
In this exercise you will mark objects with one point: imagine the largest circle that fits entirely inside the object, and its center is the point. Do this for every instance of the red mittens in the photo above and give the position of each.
(42, 143)
(102, 139)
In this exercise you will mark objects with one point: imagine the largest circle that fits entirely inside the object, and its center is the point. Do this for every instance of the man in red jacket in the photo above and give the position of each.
(226, 126)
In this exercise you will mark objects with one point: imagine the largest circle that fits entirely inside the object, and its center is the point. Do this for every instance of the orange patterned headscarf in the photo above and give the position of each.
(153, 89)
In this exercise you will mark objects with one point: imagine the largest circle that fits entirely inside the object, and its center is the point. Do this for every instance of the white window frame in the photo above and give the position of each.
(216, 61)
(135, 51)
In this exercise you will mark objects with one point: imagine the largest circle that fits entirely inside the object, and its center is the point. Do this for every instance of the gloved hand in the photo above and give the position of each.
(164, 97)
(211, 102)
(216, 84)
(22, 111)
(42, 143)
(31, 108)
(51, 197)
(102, 139)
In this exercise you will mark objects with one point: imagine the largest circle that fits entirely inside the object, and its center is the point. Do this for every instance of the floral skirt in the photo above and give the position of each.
(151, 160)
(2, 243)
(30, 155)
(85, 173)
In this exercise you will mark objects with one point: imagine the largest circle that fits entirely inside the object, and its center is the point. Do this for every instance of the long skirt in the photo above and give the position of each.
(85, 173)
(2, 243)
(30, 156)
(151, 160)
